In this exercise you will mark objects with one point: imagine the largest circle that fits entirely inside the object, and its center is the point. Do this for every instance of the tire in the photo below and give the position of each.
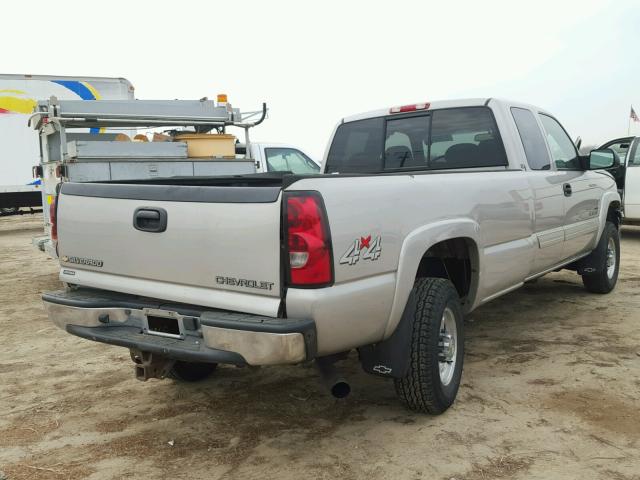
(423, 388)
(190, 371)
(606, 260)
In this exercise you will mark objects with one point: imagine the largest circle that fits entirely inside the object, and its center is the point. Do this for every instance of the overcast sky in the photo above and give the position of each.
(314, 63)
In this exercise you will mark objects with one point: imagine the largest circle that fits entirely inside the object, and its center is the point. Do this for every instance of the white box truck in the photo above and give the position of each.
(19, 145)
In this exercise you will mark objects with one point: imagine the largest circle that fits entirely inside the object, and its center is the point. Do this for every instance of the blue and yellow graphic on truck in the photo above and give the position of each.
(17, 101)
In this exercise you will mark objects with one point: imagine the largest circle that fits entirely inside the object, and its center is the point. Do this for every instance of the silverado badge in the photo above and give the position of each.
(83, 261)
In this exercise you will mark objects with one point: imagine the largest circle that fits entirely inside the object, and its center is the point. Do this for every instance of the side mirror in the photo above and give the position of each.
(600, 159)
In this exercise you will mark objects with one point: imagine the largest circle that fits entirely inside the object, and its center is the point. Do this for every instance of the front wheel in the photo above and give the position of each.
(436, 350)
(606, 259)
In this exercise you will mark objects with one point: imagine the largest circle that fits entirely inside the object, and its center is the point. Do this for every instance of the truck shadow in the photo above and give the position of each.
(241, 416)
(630, 232)
(511, 331)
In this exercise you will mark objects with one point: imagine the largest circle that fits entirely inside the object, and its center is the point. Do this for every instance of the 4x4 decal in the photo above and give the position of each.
(362, 248)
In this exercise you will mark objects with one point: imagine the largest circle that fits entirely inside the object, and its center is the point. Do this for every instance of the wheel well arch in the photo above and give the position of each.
(614, 213)
(456, 259)
(415, 247)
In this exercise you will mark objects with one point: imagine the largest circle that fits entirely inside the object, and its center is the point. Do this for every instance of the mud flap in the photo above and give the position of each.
(593, 262)
(390, 357)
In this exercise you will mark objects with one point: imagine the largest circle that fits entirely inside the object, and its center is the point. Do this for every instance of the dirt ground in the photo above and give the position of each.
(551, 390)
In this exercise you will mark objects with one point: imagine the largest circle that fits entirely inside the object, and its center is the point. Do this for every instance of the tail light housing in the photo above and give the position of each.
(53, 218)
(307, 241)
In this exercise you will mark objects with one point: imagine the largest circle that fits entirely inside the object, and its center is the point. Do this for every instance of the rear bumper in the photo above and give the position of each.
(202, 335)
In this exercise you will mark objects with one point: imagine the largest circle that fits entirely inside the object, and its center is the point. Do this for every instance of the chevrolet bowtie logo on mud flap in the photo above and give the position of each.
(83, 261)
(243, 282)
(382, 369)
(362, 248)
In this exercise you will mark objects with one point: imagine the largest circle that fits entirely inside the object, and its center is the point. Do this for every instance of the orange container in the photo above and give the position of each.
(206, 145)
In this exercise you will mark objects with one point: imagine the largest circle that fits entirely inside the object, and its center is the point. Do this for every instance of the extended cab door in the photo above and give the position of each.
(581, 189)
(546, 183)
(632, 182)
(621, 147)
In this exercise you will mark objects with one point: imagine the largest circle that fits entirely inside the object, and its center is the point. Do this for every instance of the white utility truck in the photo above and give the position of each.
(423, 213)
(186, 149)
(19, 151)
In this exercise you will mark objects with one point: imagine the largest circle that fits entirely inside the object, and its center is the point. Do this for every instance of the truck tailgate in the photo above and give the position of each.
(220, 246)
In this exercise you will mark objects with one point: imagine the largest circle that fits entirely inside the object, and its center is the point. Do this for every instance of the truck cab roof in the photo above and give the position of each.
(452, 103)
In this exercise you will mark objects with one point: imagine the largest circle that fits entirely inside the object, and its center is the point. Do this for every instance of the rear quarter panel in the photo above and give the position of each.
(491, 207)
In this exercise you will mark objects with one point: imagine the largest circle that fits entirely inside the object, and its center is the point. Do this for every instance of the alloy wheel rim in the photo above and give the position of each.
(447, 346)
(611, 258)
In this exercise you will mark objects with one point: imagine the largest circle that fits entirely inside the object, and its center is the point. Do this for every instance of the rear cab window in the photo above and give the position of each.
(465, 137)
(357, 147)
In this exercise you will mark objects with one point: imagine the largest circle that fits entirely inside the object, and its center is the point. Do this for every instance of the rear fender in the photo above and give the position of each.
(415, 245)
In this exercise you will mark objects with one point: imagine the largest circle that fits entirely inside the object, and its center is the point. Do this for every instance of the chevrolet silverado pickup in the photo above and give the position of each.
(421, 214)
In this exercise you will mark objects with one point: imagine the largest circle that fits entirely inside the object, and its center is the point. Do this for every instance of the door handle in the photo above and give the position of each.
(150, 219)
(566, 188)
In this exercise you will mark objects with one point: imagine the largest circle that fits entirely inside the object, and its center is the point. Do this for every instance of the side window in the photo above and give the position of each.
(532, 140)
(621, 148)
(406, 142)
(357, 147)
(563, 151)
(634, 159)
(289, 160)
(465, 138)
(275, 162)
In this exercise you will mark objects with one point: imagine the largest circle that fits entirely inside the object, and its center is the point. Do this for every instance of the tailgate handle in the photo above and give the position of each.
(150, 219)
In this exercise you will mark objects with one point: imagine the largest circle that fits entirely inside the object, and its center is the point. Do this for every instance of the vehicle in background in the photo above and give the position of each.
(19, 151)
(627, 175)
(423, 213)
(280, 157)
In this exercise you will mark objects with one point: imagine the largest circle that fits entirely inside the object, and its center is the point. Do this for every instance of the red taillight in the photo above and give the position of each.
(307, 240)
(53, 220)
(410, 108)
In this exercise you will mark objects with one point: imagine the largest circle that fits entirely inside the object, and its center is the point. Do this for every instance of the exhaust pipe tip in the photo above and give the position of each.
(340, 389)
(335, 383)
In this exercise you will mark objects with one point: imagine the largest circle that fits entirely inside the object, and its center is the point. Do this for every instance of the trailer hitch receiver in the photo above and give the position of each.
(148, 365)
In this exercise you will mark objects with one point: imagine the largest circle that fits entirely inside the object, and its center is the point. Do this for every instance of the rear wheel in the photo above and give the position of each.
(191, 371)
(437, 348)
(606, 259)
